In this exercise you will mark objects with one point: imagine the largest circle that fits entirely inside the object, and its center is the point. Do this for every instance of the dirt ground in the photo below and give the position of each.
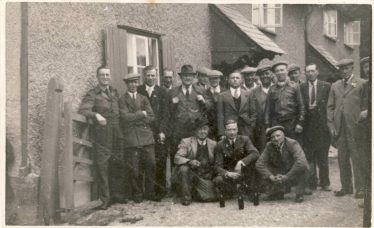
(320, 209)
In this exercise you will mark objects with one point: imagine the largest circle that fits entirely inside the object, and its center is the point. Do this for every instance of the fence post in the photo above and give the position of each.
(49, 192)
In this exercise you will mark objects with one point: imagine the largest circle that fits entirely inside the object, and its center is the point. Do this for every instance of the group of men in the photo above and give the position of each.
(266, 130)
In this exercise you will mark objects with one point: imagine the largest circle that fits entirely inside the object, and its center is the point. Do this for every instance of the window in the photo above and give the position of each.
(330, 22)
(352, 33)
(268, 16)
(142, 51)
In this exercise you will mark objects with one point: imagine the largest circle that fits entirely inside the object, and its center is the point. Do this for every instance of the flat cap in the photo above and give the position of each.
(365, 59)
(248, 69)
(344, 62)
(275, 128)
(279, 63)
(131, 76)
(293, 67)
(214, 73)
(263, 69)
(203, 71)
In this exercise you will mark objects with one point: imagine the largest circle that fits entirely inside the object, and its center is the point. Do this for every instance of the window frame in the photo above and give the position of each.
(349, 33)
(327, 16)
(259, 20)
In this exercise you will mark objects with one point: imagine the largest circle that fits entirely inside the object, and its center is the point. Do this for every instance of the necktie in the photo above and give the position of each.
(187, 92)
(149, 91)
(133, 97)
(107, 91)
(313, 96)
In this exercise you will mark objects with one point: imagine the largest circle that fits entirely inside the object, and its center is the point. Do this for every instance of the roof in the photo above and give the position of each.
(250, 30)
(325, 54)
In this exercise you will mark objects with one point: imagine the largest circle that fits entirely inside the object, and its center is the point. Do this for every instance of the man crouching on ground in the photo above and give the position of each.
(282, 164)
(232, 153)
(194, 162)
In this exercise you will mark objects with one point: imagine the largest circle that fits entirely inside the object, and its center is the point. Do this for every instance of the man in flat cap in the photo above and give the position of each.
(212, 94)
(167, 81)
(282, 164)
(202, 78)
(294, 72)
(187, 103)
(101, 105)
(236, 104)
(259, 95)
(235, 159)
(344, 106)
(194, 161)
(250, 78)
(157, 97)
(284, 104)
(136, 118)
(316, 132)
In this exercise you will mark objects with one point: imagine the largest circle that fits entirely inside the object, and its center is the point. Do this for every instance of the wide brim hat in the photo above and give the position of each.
(263, 69)
(293, 67)
(278, 64)
(187, 70)
(271, 130)
(131, 77)
(214, 74)
(200, 122)
(344, 62)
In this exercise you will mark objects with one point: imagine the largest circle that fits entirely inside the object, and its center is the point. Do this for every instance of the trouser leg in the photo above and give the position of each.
(103, 181)
(358, 182)
(149, 169)
(185, 180)
(301, 183)
(134, 173)
(322, 161)
(344, 163)
(160, 175)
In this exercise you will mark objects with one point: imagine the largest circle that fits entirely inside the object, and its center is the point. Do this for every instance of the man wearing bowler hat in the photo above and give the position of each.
(212, 94)
(194, 161)
(282, 164)
(187, 103)
(284, 104)
(136, 117)
(344, 106)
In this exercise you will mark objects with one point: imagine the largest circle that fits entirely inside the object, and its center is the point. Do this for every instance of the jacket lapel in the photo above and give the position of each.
(319, 91)
(349, 86)
(210, 145)
(230, 99)
(305, 91)
(243, 96)
(130, 102)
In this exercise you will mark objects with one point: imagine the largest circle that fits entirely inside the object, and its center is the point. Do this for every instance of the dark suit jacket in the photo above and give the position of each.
(320, 127)
(347, 102)
(245, 116)
(184, 113)
(212, 111)
(227, 156)
(135, 126)
(259, 97)
(158, 102)
(291, 163)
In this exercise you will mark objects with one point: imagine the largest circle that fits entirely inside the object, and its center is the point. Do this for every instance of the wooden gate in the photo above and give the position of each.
(79, 187)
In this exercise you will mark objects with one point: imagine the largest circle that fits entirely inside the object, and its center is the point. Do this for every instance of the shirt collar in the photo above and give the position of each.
(201, 142)
(266, 90)
(132, 94)
(315, 82)
(149, 87)
(349, 79)
(233, 90)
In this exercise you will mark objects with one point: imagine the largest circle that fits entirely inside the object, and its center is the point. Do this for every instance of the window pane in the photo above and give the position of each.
(356, 38)
(265, 16)
(356, 26)
(278, 16)
(140, 52)
(152, 50)
(255, 14)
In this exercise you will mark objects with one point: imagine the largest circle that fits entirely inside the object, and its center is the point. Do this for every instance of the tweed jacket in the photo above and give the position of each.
(346, 102)
(187, 150)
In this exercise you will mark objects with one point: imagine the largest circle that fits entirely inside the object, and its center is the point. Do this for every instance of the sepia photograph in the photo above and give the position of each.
(170, 113)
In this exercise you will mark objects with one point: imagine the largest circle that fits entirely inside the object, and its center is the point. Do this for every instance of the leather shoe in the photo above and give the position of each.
(340, 193)
(299, 198)
(326, 188)
(307, 191)
(103, 206)
(359, 195)
(186, 202)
